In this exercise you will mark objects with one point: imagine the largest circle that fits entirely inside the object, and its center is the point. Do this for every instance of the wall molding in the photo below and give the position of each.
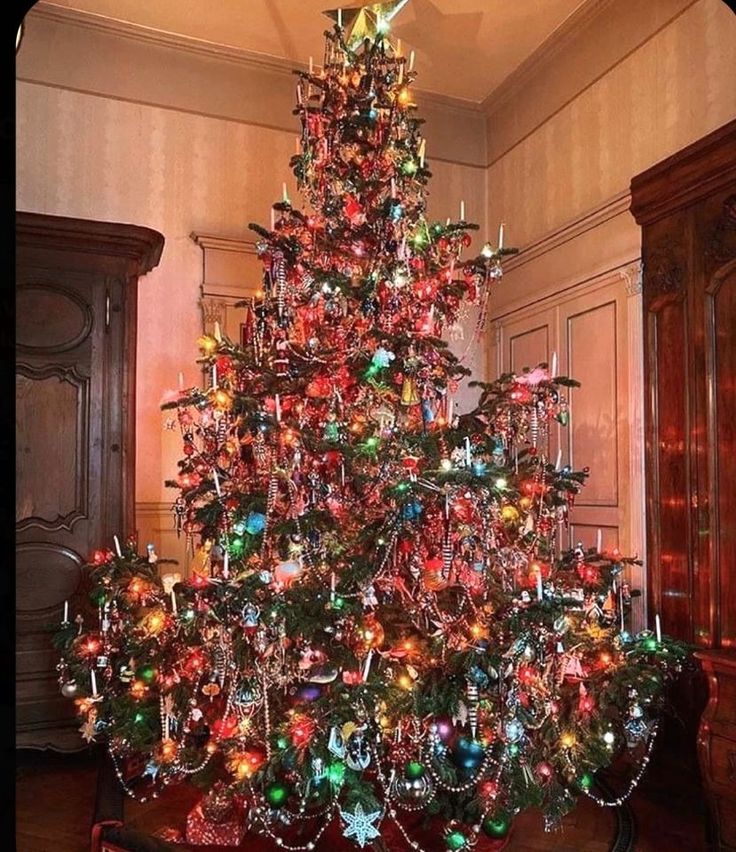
(542, 61)
(561, 292)
(514, 84)
(189, 44)
(571, 230)
(209, 241)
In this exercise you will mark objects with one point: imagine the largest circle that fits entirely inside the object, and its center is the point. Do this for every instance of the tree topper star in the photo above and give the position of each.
(360, 824)
(363, 22)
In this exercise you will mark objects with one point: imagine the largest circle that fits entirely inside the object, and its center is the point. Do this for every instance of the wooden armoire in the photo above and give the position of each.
(76, 303)
(686, 206)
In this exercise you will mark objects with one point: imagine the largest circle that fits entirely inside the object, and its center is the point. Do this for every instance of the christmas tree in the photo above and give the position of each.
(379, 618)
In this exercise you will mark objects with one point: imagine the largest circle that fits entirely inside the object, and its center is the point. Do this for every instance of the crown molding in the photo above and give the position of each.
(210, 241)
(556, 42)
(65, 15)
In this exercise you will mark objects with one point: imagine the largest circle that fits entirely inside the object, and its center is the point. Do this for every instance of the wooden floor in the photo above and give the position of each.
(55, 799)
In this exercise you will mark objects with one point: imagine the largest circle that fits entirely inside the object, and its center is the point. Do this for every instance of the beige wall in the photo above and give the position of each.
(118, 126)
(619, 91)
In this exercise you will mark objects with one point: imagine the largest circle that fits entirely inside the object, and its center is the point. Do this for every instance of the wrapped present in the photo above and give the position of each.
(217, 820)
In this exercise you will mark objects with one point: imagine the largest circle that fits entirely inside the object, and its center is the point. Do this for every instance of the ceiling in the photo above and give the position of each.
(464, 48)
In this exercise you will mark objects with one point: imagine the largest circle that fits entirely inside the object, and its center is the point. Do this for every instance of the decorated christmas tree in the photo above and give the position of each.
(380, 619)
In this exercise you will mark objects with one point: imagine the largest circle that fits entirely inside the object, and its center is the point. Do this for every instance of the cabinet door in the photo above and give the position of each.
(62, 378)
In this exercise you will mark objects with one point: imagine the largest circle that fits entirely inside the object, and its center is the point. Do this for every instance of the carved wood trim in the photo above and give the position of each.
(132, 249)
(692, 174)
(39, 284)
(69, 374)
(721, 245)
(633, 276)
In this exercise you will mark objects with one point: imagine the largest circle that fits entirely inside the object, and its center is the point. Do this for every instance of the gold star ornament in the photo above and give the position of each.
(361, 22)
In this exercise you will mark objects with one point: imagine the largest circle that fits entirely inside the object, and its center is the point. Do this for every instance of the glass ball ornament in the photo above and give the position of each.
(443, 727)
(513, 730)
(414, 769)
(413, 791)
(287, 571)
(69, 689)
(585, 782)
(455, 840)
(496, 826)
(468, 754)
(255, 523)
(276, 794)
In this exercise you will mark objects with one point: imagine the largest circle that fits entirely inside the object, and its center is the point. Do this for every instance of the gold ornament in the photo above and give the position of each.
(367, 21)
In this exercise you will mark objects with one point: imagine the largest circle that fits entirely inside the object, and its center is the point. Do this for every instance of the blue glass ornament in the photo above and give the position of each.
(255, 523)
(468, 754)
(411, 510)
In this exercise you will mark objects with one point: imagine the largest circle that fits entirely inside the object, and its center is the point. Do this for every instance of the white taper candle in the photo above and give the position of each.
(540, 591)
(117, 546)
(467, 451)
(462, 211)
(277, 400)
(66, 613)
(181, 380)
(658, 627)
(94, 681)
(553, 369)
(411, 61)
(173, 601)
(367, 666)
(598, 541)
(500, 235)
(217, 482)
(559, 459)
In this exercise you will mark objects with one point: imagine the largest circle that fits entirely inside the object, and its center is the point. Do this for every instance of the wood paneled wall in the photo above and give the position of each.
(592, 325)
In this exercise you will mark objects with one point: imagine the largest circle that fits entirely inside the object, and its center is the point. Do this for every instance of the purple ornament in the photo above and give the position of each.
(308, 692)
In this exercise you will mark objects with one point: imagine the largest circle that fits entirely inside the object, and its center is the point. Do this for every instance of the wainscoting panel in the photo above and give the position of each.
(588, 325)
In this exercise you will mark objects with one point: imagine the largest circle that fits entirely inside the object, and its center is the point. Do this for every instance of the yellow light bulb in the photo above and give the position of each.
(568, 739)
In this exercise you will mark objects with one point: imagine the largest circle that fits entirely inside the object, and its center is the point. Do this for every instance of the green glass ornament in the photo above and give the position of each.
(276, 794)
(496, 826)
(455, 840)
(413, 770)
(336, 773)
(585, 781)
(146, 673)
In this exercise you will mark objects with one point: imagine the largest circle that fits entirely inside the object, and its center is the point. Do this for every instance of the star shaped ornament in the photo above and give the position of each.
(359, 825)
(367, 21)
